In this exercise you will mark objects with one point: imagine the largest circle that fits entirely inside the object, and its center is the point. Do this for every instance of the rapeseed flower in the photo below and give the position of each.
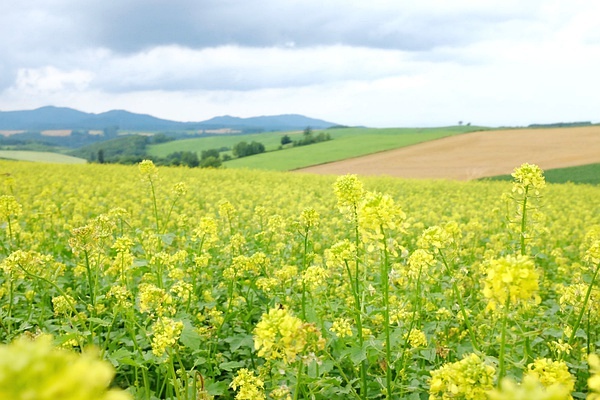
(349, 192)
(529, 389)
(280, 335)
(9, 207)
(550, 373)
(154, 300)
(469, 378)
(594, 379)
(248, 386)
(416, 338)
(165, 334)
(528, 176)
(341, 327)
(513, 279)
(37, 370)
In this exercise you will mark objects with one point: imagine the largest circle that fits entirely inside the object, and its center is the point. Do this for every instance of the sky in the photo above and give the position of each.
(378, 63)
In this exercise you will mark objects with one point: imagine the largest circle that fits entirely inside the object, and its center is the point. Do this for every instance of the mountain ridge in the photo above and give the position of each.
(52, 117)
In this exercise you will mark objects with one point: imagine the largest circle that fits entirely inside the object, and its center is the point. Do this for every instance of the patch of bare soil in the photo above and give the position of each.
(477, 155)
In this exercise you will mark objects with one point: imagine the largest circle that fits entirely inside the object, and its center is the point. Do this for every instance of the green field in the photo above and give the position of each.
(346, 143)
(40, 156)
(588, 174)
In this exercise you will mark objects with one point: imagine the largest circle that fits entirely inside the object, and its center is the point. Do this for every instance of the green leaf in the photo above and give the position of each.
(231, 365)
(235, 342)
(189, 336)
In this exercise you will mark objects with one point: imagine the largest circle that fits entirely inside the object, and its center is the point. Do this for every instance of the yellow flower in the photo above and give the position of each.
(63, 305)
(341, 327)
(594, 379)
(511, 278)
(280, 335)
(315, 276)
(154, 300)
(469, 378)
(37, 370)
(416, 338)
(528, 176)
(529, 389)
(165, 334)
(249, 386)
(349, 191)
(9, 207)
(549, 373)
(147, 169)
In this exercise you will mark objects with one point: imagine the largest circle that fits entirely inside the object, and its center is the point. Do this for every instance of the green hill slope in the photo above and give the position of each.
(346, 143)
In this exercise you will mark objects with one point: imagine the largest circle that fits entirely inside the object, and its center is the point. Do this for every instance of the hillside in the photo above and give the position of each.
(47, 118)
(478, 154)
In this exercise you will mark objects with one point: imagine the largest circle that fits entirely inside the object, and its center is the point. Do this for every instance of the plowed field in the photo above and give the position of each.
(479, 154)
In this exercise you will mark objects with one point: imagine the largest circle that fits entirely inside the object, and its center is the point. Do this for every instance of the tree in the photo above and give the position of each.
(307, 131)
(101, 156)
(285, 140)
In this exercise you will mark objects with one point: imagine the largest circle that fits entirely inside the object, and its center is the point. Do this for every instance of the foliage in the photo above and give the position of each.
(244, 149)
(285, 139)
(271, 285)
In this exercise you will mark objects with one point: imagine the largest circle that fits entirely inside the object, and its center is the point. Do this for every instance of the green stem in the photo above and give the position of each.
(90, 279)
(298, 380)
(460, 303)
(386, 314)
(524, 220)
(154, 204)
(363, 364)
(584, 305)
(501, 357)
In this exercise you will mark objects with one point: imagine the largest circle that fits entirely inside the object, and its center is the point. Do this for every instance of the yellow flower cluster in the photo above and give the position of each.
(9, 207)
(165, 334)
(349, 191)
(341, 327)
(249, 386)
(529, 389)
(314, 277)
(550, 373)
(37, 370)
(147, 169)
(528, 176)
(469, 378)
(435, 237)
(416, 338)
(63, 305)
(154, 300)
(280, 335)
(378, 211)
(513, 279)
(309, 218)
(594, 379)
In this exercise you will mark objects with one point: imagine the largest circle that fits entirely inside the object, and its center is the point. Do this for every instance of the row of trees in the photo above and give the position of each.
(307, 138)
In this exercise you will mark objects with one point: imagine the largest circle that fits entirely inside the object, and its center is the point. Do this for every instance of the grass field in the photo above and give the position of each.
(271, 140)
(348, 142)
(40, 156)
(589, 174)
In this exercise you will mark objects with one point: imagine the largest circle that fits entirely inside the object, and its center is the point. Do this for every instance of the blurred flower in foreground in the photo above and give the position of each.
(37, 370)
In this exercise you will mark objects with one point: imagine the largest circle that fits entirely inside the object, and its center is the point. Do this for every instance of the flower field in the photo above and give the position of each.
(175, 283)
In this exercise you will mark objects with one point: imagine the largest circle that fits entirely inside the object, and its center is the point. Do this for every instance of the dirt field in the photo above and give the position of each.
(476, 155)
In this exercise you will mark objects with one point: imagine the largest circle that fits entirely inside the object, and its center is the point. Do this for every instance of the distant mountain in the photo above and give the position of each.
(47, 118)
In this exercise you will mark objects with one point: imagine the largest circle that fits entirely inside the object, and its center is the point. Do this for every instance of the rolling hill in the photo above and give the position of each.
(50, 117)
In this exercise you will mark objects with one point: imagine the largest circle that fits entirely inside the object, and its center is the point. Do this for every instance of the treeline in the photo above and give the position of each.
(561, 124)
(308, 137)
